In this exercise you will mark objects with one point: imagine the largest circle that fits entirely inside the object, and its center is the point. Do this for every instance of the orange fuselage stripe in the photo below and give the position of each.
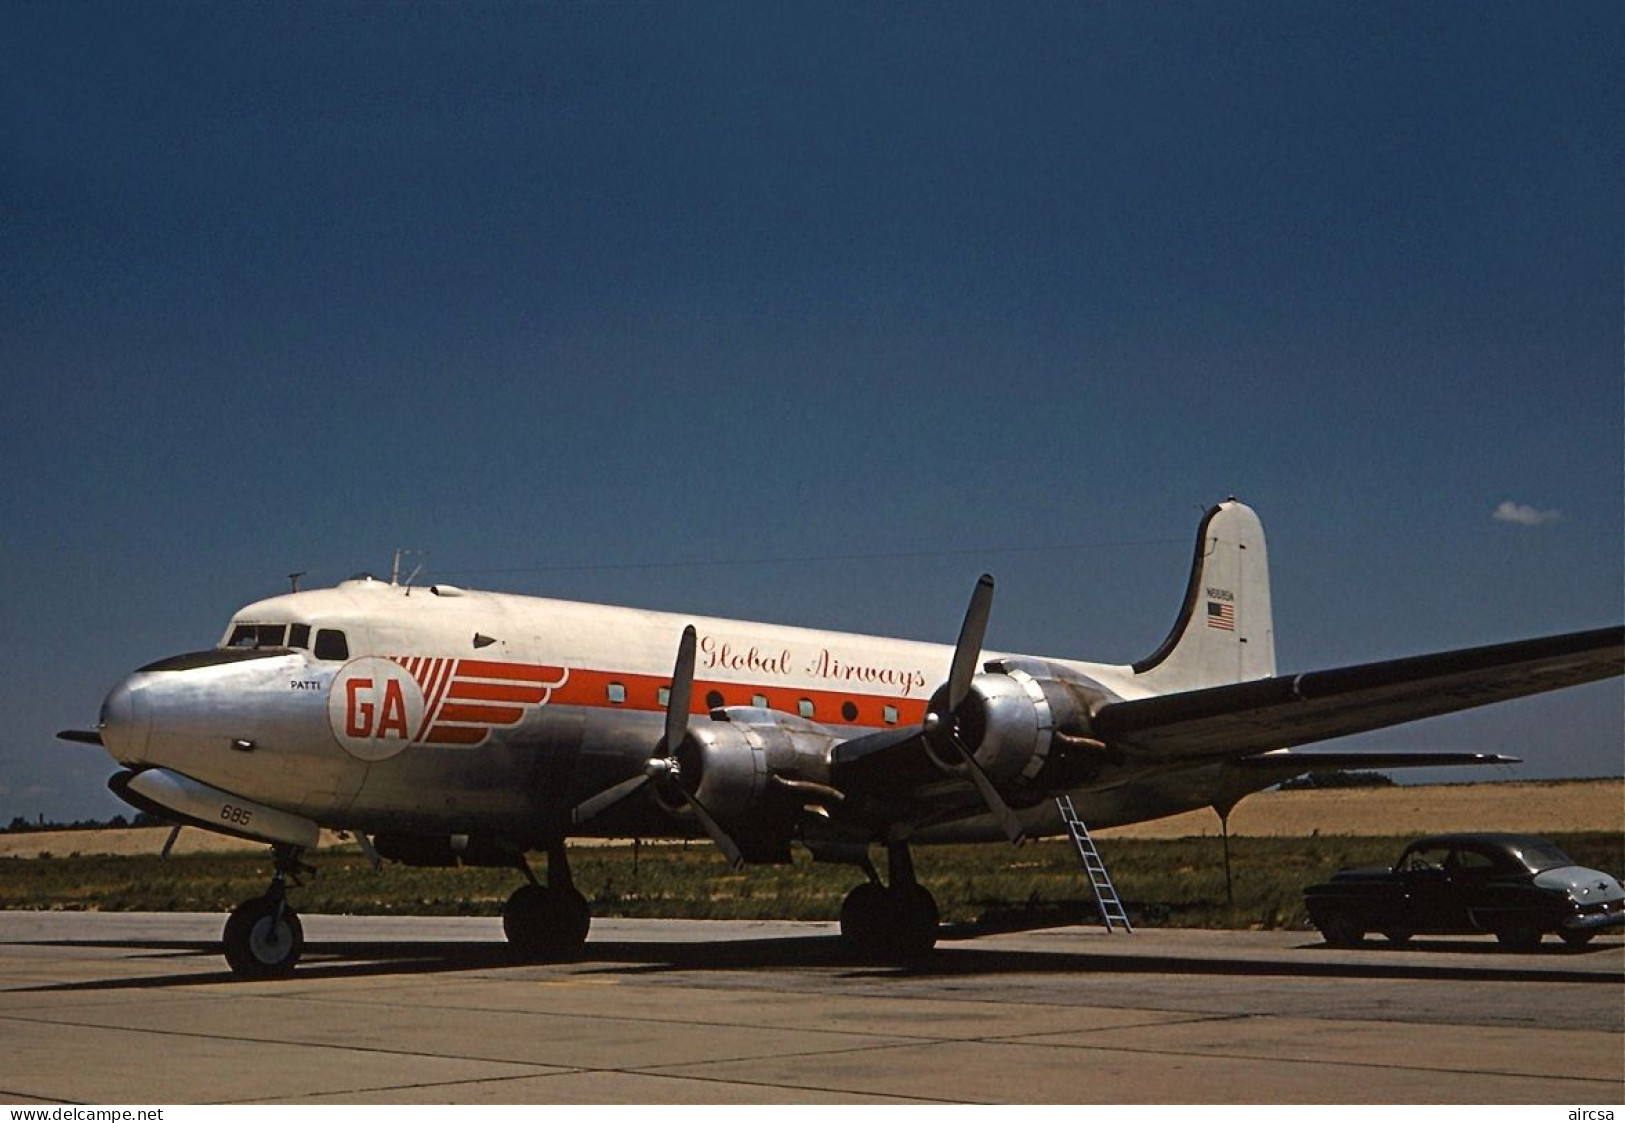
(470, 710)
(591, 689)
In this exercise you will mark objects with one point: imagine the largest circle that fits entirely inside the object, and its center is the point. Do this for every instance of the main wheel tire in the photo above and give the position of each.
(1341, 930)
(881, 925)
(544, 924)
(863, 921)
(1398, 936)
(1577, 939)
(263, 939)
(916, 921)
(1518, 937)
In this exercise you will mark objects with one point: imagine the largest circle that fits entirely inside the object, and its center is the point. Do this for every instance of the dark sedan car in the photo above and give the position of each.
(1517, 886)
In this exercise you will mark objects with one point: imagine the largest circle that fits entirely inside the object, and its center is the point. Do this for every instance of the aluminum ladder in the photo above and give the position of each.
(1111, 907)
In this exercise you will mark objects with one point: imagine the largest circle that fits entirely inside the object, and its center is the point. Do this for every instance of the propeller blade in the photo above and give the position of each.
(729, 848)
(682, 693)
(969, 648)
(1008, 820)
(939, 724)
(663, 767)
(81, 736)
(596, 805)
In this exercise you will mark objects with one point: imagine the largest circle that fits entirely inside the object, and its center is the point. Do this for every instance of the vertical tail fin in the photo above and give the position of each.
(1224, 633)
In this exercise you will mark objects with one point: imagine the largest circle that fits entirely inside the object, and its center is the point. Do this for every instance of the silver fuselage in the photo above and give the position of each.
(460, 712)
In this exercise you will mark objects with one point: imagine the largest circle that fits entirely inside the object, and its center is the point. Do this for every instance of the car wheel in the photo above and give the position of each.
(1577, 939)
(1341, 930)
(1518, 937)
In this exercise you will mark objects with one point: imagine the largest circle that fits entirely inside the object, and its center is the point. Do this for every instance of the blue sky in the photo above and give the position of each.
(811, 313)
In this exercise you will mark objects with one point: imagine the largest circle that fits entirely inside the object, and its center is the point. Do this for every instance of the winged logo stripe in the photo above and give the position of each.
(433, 676)
(465, 699)
(512, 672)
(464, 713)
(464, 690)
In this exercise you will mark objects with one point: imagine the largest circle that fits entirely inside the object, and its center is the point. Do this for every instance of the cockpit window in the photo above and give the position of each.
(332, 645)
(253, 636)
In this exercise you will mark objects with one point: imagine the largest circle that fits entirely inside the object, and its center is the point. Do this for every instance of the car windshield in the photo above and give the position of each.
(1538, 854)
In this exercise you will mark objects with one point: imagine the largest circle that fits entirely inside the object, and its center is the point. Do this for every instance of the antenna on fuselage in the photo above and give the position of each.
(395, 568)
(293, 579)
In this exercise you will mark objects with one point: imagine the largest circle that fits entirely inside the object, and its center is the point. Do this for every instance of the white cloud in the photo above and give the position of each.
(1523, 514)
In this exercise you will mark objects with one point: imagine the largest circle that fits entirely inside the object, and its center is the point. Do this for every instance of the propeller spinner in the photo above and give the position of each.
(664, 768)
(942, 719)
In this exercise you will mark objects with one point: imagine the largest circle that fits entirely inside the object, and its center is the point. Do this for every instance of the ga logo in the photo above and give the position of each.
(379, 706)
(375, 708)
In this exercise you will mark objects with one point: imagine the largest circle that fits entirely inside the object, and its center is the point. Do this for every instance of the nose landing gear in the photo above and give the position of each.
(263, 937)
(549, 922)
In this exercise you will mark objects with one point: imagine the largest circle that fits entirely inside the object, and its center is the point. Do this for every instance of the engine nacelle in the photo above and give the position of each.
(743, 757)
(1027, 731)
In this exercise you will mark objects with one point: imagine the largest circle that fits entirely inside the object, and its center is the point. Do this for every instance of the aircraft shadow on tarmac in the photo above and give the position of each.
(1312, 959)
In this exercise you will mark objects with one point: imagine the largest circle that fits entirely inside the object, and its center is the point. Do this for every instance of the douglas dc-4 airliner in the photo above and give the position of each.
(445, 726)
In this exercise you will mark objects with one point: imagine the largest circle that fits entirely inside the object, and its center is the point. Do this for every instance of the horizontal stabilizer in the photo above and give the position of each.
(1297, 763)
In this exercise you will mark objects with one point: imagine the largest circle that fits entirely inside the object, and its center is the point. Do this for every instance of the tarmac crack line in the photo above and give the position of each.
(1018, 1040)
(23, 1096)
(1184, 1017)
(465, 1058)
(610, 1071)
(291, 1044)
(1277, 1059)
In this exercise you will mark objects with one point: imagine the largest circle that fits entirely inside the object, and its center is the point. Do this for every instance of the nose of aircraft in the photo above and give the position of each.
(124, 721)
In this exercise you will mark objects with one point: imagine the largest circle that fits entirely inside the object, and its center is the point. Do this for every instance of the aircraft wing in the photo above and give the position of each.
(1250, 717)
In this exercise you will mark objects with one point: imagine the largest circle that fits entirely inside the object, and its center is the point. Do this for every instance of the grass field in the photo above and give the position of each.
(1163, 882)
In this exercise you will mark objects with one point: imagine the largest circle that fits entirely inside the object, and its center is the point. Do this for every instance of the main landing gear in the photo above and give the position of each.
(263, 937)
(547, 922)
(894, 923)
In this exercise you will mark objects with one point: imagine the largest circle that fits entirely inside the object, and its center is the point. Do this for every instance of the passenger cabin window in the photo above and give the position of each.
(331, 645)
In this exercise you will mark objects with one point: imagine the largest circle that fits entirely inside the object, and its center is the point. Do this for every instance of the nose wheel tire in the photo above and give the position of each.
(263, 939)
(545, 923)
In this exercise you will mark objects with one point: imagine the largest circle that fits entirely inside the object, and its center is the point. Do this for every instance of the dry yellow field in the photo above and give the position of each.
(126, 840)
(1538, 807)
